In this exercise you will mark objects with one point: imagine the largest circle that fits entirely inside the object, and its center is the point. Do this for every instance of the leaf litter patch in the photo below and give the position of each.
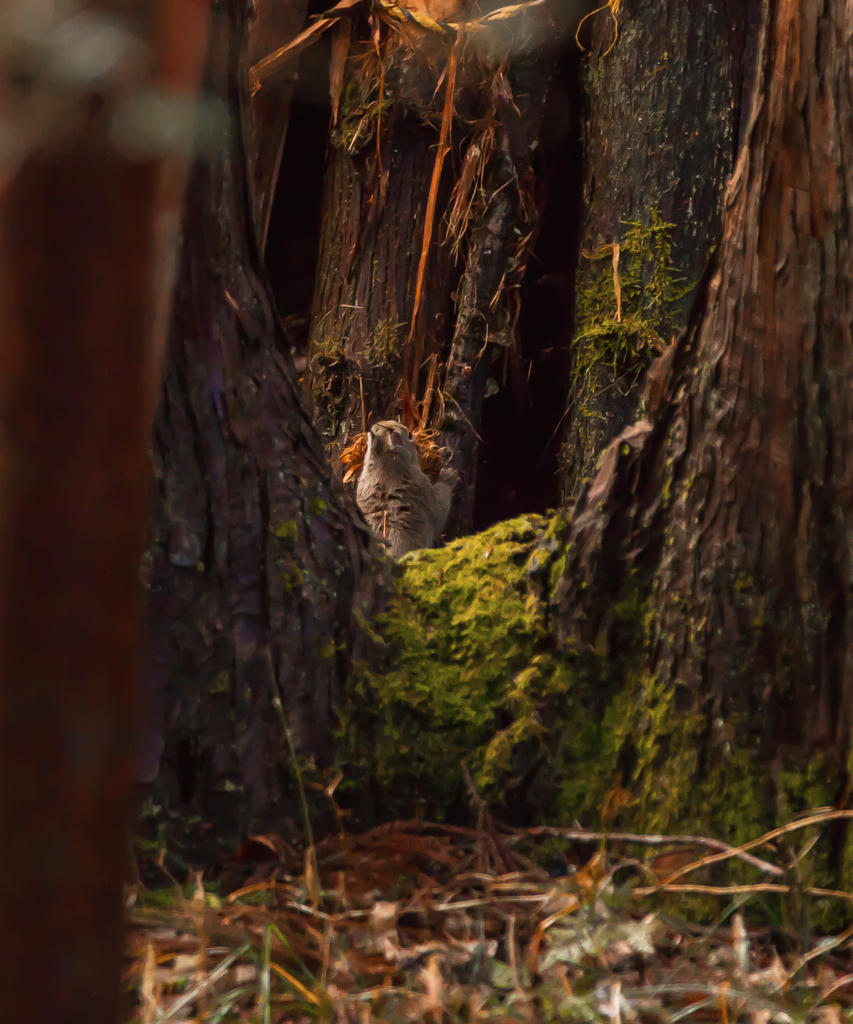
(444, 924)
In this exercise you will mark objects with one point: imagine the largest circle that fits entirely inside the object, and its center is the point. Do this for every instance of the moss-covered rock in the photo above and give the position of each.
(469, 671)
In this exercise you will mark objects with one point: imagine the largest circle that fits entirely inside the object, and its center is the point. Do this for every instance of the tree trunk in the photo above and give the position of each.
(485, 334)
(86, 234)
(664, 100)
(724, 512)
(397, 331)
(259, 569)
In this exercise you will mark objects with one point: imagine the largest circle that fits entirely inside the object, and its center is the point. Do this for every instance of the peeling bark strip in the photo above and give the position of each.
(416, 330)
(259, 568)
(83, 265)
(729, 509)
(661, 135)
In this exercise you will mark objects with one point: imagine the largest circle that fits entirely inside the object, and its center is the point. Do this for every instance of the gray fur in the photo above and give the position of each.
(400, 503)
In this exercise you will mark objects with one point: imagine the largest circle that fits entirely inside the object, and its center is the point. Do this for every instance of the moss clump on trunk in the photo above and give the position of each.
(625, 331)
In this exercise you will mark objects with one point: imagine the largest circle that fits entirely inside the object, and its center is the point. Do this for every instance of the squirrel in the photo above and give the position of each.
(400, 503)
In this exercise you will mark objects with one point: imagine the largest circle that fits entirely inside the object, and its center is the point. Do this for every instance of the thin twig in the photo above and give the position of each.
(731, 890)
(824, 946)
(840, 983)
(443, 150)
(792, 826)
(311, 869)
(584, 835)
(193, 994)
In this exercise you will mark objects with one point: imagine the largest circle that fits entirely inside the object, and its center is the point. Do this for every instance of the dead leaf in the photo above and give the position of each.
(147, 991)
(433, 1001)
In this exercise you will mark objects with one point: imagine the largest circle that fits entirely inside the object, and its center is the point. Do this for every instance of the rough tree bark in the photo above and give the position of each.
(727, 509)
(370, 350)
(485, 330)
(84, 281)
(258, 568)
(664, 101)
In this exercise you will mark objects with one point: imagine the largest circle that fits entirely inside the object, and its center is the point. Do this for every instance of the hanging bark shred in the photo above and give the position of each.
(84, 265)
(415, 349)
(483, 325)
(337, 66)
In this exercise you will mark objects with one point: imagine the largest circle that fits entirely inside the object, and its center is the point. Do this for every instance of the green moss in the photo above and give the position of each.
(360, 110)
(287, 531)
(847, 852)
(326, 348)
(221, 682)
(469, 673)
(292, 576)
(171, 899)
(652, 297)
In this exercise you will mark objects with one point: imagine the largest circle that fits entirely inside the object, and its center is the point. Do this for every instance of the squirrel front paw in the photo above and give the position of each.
(449, 476)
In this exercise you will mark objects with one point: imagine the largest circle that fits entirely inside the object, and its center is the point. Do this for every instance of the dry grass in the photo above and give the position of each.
(448, 925)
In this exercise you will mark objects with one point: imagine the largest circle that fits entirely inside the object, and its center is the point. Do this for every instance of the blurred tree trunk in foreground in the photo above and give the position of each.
(85, 242)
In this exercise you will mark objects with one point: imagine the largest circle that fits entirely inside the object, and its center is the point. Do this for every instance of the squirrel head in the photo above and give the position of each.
(389, 439)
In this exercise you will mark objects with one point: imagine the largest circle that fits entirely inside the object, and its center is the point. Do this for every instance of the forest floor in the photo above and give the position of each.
(435, 923)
